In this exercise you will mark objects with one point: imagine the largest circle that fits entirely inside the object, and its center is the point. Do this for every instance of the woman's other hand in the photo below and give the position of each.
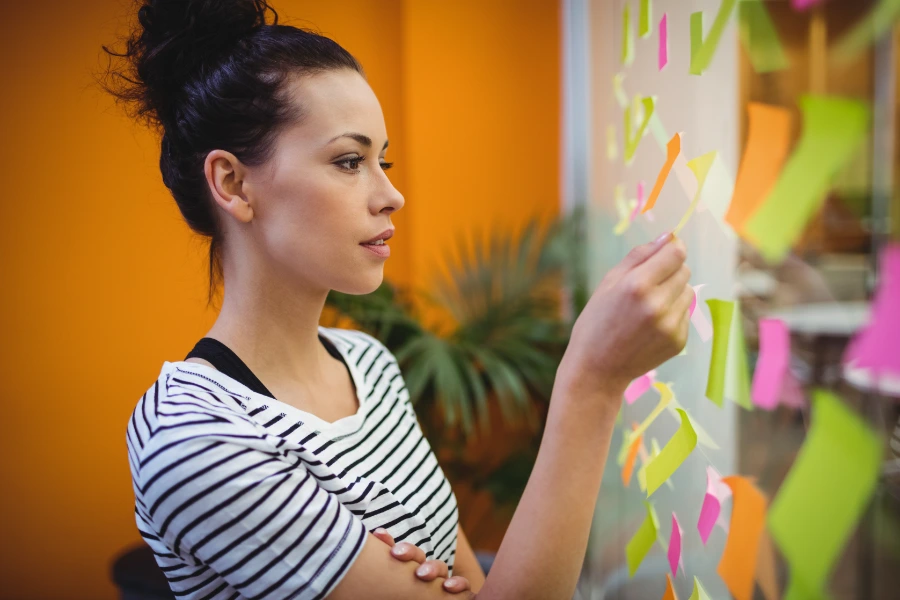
(429, 569)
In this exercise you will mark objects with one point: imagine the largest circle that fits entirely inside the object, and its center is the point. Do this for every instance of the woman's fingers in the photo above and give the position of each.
(456, 584)
(431, 569)
(382, 534)
(405, 551)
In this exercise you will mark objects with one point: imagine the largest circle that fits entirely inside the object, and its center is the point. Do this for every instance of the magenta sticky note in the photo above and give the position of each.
(663, 42)
(803, 4)
(772, 365)
(712, 503)
(640, 201)
(698, 319)
(640, 385)
(877, 345)
(674, 552)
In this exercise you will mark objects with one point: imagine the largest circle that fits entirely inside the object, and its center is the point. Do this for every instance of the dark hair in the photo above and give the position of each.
(210, 74)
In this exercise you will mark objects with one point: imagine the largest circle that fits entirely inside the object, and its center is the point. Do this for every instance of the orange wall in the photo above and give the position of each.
(102, 281)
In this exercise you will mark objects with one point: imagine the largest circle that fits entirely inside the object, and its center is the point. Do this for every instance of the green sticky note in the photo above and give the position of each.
(702, 50)
(833, 128)
(676, 451)
(632, 137)
(825, 493)
(721, 312)
(867, 31)
(644, 19)
(699, 593)
(737, 373)
(642, 541)
(760, 38)
(627, 36)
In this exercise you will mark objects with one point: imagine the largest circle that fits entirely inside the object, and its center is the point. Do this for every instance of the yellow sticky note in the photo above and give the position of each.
(721, 312)
(627, 36)
(675, 452)
(825, 492)
(833, 129)
(665, 396)
(699, 593)
(642, 541)
(700, 167)
(645, 107)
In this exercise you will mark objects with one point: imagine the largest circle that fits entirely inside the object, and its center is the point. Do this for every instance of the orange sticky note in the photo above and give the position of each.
(748, 514)
(670, 590)
(673, 149)
(768, 142)
(629, 460)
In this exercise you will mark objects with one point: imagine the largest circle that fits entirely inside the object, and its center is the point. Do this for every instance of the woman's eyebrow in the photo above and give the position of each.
(359, 137)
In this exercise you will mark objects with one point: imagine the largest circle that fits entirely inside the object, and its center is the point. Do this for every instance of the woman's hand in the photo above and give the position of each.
(636, 319)
(429, 569)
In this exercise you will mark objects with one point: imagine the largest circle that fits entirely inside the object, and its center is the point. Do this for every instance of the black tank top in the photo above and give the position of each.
(225, 360)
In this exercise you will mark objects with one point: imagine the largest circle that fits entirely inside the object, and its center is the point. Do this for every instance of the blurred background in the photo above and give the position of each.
(499, 113)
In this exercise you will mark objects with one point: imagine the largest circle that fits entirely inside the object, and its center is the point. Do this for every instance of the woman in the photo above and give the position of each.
(273, 147)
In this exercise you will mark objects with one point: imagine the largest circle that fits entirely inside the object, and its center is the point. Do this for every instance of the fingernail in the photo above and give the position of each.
(422, 571)
(664, 237)
(381, 530)
(449, 583)
(398, 550)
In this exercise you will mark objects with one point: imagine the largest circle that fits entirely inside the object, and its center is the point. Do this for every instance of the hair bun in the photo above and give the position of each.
(177, 39)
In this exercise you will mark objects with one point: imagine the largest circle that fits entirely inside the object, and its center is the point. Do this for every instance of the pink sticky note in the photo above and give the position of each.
(674, 552)
(803, 4)
(663, 42)
(640, 385)
(698, 319)
(792, 392)
(640, 201)
(712, 503)
(772, 366)
(877, 345)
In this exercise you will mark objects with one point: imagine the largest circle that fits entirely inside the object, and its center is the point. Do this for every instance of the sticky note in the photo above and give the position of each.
(645, 16)
(663, 58)
(825, 492)
(833, 129)
(627, 36)
(698, 318)
(640, 201)
(772, 364)
(703, 438)
(803, 4)
(673, 149)
(633, 138)
(702, 50)
(669, 594)
(737, 373)
(716, 194)
(642, 541)
(612, 148)
(700, 167)
(675, 452)
(737, 567)
(699, 593)
(867, 31)
(760, 38)
(628, 469)
(640, 385)
(674, 551)
(768, 142)
(716, 492)
(877, 345)
(721, 312)
(623, 209)
(665, 396)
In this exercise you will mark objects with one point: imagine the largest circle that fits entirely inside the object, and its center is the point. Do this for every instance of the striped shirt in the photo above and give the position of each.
(242, 496)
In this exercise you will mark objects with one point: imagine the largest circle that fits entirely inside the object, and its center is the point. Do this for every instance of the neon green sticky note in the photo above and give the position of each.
(833, 128)
(760, 38)
(627, 36)
(825, 492)
(703, 438)
(702, 50)
(632, 137)
(867, 31)
(699, 593)
(721, 312)
(675, 452)
(737, 373)
(700, 167)
(642, 541)
(644, 19)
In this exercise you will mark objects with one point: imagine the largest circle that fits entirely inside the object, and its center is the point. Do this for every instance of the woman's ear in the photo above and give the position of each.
(225, 176)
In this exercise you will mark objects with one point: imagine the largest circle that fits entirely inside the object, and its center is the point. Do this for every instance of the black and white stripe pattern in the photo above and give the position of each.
(242, 496)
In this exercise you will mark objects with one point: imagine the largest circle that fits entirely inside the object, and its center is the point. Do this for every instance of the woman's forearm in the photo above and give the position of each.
(542, 552)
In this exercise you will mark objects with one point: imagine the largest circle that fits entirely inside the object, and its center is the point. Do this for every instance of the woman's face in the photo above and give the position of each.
(324, 191)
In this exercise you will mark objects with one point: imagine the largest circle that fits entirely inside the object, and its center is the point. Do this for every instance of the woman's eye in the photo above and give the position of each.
(351, 164)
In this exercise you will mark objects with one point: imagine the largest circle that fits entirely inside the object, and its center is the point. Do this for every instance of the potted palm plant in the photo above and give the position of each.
(513, 299)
